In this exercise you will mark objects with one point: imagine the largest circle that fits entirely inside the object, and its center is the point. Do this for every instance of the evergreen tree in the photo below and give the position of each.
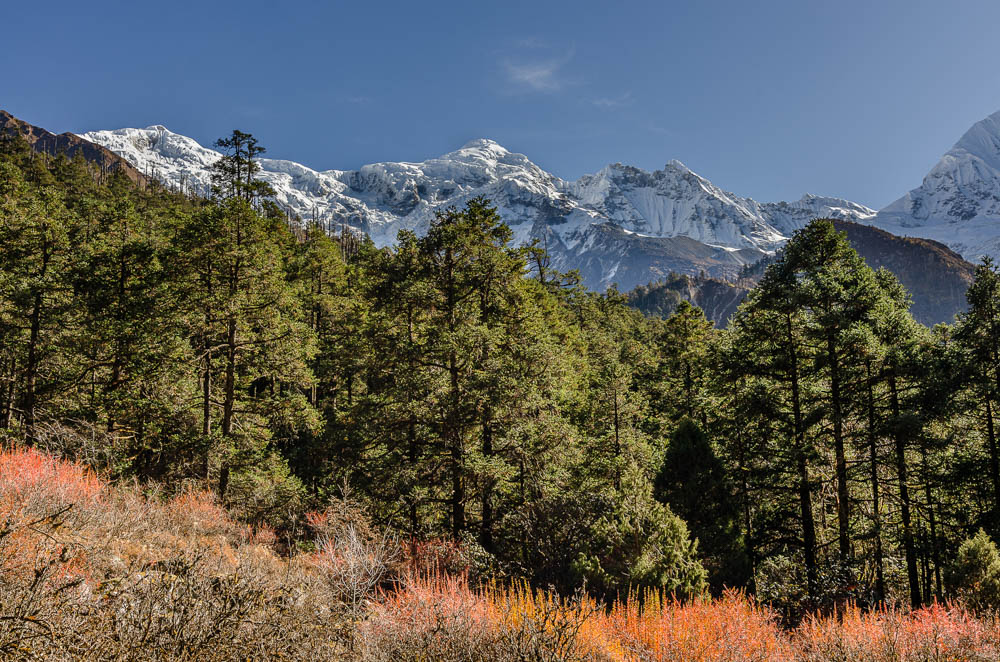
(693, 482)
(248, 322)
(36, 238)
(771, 359)
(130, 341)
(978, 333)
(831, 281)
(233, 176)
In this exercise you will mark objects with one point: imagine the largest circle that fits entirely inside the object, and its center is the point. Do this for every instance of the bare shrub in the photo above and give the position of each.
(189, 610)
(41, 583)
(354, 566)
(538, 625)
(428, 618)
(85, 441)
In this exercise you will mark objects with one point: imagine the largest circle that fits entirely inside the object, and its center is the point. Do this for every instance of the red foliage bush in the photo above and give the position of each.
(937, 632)
(30, 478)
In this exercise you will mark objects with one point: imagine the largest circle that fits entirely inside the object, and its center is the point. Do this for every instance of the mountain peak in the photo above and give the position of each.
(958, 202)
(485, 143)
(668, 212)
(982, 141)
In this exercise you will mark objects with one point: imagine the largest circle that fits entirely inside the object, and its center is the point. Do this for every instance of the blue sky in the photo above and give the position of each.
(768, 99)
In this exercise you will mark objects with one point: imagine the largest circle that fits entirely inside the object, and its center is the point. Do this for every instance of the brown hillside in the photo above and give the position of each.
(70, 144)
(935, 275)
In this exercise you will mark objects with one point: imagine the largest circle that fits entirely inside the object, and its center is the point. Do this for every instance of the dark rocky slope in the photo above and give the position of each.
(70, 144)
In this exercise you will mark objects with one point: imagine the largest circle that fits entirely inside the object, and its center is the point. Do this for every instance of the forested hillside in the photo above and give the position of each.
(935, 276)
(824, 448)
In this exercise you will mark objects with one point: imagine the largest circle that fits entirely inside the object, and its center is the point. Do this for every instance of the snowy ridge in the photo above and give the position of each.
(604, 220)
(958, 202)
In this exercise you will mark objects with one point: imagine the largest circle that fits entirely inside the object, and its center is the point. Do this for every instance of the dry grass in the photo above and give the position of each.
(92, 572)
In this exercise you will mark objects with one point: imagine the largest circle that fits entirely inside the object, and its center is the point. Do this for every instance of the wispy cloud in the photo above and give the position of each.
(538, 74)
(611, 103)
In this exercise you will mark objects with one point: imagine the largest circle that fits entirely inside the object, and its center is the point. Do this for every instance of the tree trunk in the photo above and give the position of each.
(932, 522)
(412, 453)
(413, 450)
(453, 430)
(747, 518)
(457, 457)
(876, 503)
(206, 394)
(229, 401)
(229, 395)
(29, 398)
(8, 395)
(904, 497)
(843, 496)
(805, 486)
(206, 382)
(994, 460)
(486, 534)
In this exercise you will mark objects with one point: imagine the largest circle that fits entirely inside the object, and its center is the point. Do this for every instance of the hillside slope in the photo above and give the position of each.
(69, 144)
(935, 276)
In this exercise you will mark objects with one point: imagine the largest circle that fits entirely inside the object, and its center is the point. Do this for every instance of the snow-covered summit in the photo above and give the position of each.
(958, 203)
(633, 210)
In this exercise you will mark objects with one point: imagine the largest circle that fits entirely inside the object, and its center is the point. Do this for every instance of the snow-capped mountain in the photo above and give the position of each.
(622, 224)
(958, 202)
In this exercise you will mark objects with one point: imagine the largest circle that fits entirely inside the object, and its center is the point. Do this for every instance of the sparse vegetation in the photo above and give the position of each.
(90, 571)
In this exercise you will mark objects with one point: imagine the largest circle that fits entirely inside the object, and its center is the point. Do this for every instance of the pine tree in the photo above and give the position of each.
(832, 282)
(130, 342)
(898, 335)
(978, 333)
(247, 320)
(35, 293)
(693, 482)
(770, 357)
(233, 176)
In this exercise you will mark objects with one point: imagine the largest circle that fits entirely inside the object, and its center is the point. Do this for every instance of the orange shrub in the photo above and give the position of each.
(933, 633)
(732, 628)
(425, 598)
(200, 510)
(437, 616)
(33, 479)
